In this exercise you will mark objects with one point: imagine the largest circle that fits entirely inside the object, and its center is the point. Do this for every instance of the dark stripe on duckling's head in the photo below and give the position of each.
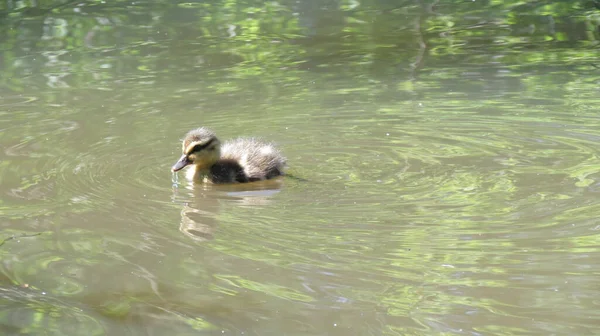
(196, 147)
(198, 135)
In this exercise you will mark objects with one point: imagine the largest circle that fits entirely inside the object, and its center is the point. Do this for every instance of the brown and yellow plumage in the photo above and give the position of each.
(238, 160)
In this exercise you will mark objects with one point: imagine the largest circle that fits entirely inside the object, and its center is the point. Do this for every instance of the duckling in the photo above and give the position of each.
(239, 160)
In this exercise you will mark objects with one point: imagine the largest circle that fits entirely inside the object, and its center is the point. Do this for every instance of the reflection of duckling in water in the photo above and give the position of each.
(238, 160)
(200, 213)
(197, 224)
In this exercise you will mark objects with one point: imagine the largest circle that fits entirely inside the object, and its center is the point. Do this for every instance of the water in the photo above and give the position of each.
(430, 191)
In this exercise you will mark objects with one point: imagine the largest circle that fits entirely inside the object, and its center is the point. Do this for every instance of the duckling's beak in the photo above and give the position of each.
(181, 163)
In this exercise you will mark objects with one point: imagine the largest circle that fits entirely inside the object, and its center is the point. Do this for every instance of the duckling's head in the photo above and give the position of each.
(201, 148)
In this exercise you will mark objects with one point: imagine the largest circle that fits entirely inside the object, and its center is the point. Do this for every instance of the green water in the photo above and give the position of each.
(444, 162)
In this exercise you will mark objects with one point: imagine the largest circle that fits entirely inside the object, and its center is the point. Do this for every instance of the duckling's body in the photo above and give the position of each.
(235, 161)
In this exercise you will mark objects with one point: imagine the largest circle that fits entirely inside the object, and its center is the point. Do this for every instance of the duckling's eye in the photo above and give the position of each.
(196, 148)
(200, 147)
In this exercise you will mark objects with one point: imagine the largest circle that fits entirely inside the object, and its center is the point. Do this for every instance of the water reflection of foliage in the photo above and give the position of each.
(270, 44)
(40, 292)
(245, 49)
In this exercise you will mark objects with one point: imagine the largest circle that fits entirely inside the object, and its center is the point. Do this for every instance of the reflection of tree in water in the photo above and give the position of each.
(265, 42)
(319, 17)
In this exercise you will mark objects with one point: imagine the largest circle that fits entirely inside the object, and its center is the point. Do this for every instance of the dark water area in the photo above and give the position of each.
(443, 168)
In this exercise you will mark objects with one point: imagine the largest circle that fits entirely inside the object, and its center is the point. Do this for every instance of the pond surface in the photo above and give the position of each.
(440, 181)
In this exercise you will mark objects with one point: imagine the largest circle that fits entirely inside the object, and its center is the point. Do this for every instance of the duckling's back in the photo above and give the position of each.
(258, 160)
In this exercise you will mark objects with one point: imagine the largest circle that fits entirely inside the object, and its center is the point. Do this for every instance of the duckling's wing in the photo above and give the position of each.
(259, 160)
